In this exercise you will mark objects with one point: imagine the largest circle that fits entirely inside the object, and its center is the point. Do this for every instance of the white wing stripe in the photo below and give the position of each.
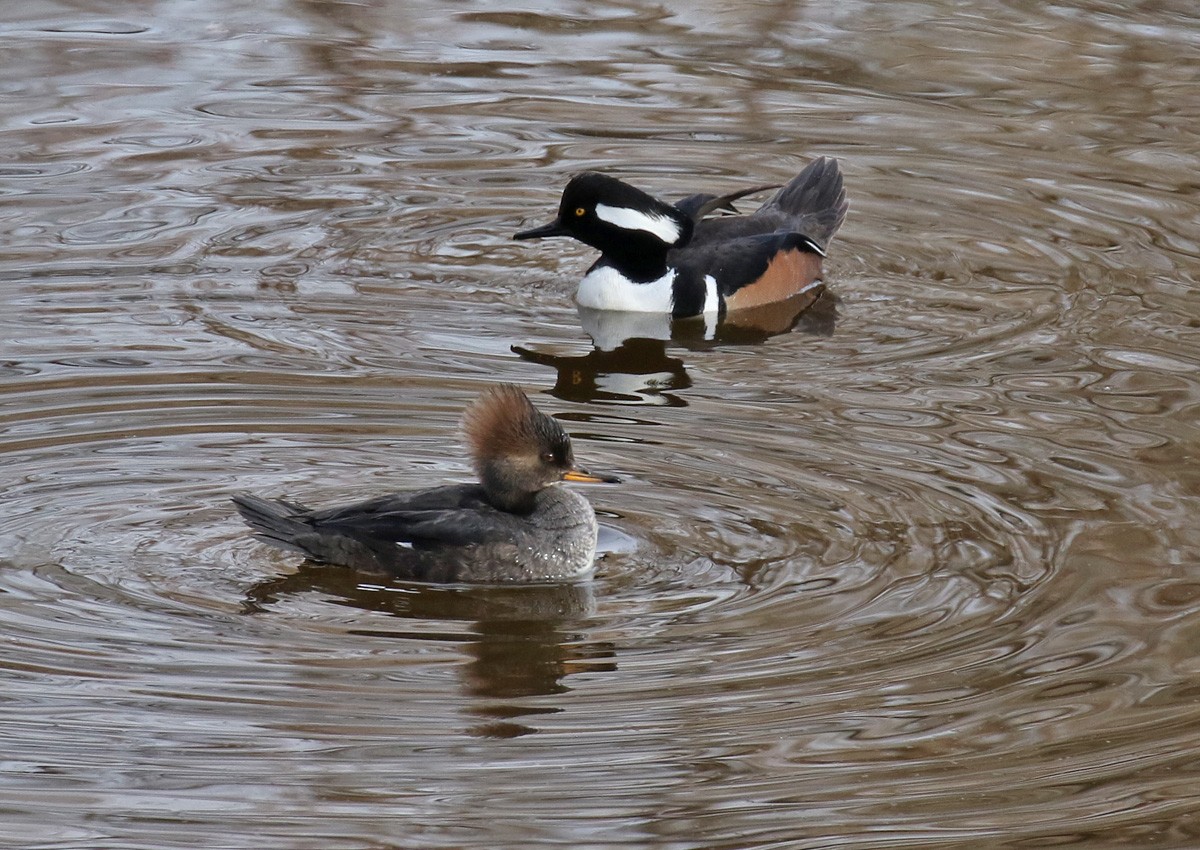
(711, 303)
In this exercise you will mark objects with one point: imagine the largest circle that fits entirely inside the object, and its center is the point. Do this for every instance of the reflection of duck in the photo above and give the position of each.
(516, 525)
(636, 371)
(564, 602)
(657, 257)
(631, 364)
(522, 640)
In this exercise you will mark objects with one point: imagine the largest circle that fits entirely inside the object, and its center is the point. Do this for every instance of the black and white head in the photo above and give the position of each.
(517, 450)
(615, 218)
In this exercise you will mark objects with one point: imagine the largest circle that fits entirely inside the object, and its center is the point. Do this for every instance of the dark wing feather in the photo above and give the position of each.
(449, 497)
(457, 515)
(428, 528)
(699, 206)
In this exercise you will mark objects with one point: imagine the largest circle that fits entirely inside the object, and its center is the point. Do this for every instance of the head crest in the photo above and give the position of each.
(503, 421)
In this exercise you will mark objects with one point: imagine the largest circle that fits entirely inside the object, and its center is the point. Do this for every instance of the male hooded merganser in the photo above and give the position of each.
(658, 257)
(514, 526)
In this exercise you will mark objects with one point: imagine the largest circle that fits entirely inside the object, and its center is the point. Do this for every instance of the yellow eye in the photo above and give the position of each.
(579, 211)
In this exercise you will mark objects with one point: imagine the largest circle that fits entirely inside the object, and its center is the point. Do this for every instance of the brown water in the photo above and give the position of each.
(920, 572)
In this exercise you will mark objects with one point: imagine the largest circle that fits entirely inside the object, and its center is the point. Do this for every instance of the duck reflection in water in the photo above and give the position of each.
(630, 362)
(521, 642)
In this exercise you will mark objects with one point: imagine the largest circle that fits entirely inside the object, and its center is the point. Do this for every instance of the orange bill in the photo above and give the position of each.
(582, 476)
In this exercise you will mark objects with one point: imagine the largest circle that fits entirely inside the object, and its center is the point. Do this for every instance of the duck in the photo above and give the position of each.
(517, 524)
(686, 259)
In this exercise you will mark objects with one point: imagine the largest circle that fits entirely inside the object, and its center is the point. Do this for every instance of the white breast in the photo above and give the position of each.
(604, 288)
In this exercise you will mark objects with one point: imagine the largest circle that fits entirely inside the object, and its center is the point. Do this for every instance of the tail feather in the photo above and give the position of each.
(815, 198)
(287, 525)
(276, 522)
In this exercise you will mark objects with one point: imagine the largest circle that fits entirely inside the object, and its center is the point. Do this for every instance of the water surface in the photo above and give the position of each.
(916, 569)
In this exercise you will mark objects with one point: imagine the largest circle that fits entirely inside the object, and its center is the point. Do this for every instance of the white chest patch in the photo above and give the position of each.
(605, 288)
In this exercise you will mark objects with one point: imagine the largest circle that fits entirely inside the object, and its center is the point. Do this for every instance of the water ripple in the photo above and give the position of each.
(921, 579)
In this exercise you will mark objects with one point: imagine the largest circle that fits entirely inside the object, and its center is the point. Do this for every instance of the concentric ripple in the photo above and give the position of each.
(919, 572)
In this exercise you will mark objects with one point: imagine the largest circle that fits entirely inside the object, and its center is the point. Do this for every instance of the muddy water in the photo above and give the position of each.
(918, 571)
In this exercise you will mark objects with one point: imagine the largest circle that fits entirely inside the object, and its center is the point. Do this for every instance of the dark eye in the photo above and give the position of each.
(550, 457)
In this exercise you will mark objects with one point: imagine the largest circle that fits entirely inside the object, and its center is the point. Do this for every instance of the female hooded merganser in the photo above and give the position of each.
(669, 258)
(516, 525)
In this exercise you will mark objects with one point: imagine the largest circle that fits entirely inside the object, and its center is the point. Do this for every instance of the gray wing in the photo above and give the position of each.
(457, 515)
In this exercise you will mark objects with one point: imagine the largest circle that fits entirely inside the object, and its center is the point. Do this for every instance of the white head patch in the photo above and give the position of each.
(661, 226)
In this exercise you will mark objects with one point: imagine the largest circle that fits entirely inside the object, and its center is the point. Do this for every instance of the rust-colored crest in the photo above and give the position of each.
(503, 421)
